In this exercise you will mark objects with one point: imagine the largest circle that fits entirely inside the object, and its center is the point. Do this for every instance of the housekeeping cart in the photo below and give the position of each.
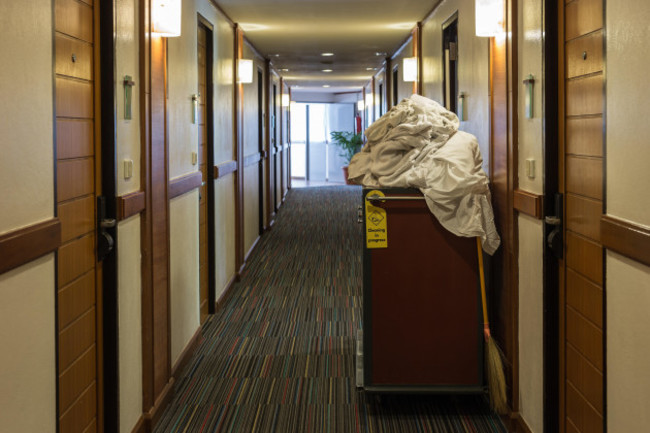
(422, 323)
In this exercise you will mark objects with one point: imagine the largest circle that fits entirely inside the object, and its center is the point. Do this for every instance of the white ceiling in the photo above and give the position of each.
(294, 34)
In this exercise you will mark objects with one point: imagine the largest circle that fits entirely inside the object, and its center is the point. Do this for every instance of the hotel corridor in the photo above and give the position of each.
(279, 354)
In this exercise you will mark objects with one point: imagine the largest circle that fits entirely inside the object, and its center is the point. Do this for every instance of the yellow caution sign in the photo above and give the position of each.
(376, 223)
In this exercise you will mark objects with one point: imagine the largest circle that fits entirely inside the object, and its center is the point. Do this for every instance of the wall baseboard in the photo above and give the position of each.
(186, 355)
(626, 238)
(154, 414)
(222, 299)
(140, 426)
(19, 247)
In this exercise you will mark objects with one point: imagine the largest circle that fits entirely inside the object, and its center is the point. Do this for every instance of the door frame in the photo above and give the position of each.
(108, 314)
(209, 118)
(551, 275)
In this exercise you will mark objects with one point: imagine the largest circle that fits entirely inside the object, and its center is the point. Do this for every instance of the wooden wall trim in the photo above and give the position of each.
(253, 158)
(625, 238)
(154, 414)
(140, 426)
(184, 184)
(186, 355)
(24, 245)
(528, 203)
(225, 168)
(224, 296)
(130, 204)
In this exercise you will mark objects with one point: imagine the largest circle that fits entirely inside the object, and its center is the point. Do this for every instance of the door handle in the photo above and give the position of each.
(554, 239)
(105, 241)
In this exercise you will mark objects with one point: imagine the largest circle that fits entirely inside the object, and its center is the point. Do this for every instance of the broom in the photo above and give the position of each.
(493, 355)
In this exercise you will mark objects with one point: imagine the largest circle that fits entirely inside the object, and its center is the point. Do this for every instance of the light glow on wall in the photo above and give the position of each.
(369, 100)
(166, 18)
(410, 66)
(285, 100)
(490, 17)
(245, 71)
(360, 105)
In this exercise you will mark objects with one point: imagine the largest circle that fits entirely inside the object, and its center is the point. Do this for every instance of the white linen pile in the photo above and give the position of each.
(417, 144)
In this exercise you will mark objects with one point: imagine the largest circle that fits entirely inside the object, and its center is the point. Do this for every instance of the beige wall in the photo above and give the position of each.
(27, 364)
(224, 150)
(184, 270)
(130, 322)
(251, 147)
(27, 323)
(128, 231)
(473, 72)
(26, 110)
(628, 180)
(531, 231)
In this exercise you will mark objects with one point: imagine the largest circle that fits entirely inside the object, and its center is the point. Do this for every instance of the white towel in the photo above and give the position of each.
(417, 144)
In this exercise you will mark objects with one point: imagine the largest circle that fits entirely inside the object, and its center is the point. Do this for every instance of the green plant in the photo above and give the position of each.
(348, 142)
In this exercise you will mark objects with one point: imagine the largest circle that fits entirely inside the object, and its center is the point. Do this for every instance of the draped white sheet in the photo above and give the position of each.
(417, 144)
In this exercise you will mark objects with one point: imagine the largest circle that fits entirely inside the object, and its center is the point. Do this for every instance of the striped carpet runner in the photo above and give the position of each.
(279, 356)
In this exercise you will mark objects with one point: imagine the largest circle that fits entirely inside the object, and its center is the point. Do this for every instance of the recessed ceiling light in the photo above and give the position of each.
(371, 69)
(327, 54)
(326, 85)
(380, 54)
(284, 70)
(274, 55)
(327, 70)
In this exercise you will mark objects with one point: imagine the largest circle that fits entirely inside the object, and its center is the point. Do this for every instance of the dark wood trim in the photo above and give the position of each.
(238, 135)
(224, 296)
(528, 203)
(24, 245)
(130, 204)
(184, 184)
(253, 158)
(186, 356)
(520, 425)
(267, 142)
(225, 168)
(140, 426)
(252, 248)
(625, 238)
(154, 414)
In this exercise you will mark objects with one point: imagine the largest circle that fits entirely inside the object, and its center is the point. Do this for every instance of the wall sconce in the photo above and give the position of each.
(245, 71)
(410, 65)
(369, 100)
(166, 18)
(360, 105)
(489, 17)
(285, 100)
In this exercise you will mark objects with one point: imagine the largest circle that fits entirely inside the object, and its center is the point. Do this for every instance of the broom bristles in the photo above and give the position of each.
(496, 377)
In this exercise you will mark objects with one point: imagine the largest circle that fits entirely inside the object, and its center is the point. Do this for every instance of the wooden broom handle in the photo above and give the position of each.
(486, 324)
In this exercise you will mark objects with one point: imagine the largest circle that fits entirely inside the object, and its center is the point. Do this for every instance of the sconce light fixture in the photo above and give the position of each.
(490, 17)
(360, 105)
(166, 18)
(245, 71)
(410, 65)
(369, 100)
(285, 100)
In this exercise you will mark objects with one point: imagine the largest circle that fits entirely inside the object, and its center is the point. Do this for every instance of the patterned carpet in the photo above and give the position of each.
(279, 356)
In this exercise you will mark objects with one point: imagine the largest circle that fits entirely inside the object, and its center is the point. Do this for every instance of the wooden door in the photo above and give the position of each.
(203, 168)
(581, 181)
(78, 273)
